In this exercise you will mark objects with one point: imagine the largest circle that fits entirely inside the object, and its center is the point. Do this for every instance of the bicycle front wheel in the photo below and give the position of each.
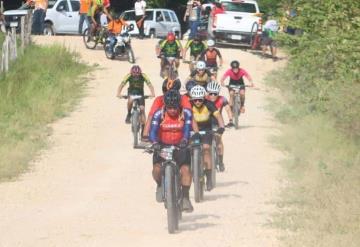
(135, 127)
(197, 174)
(89, 39)
(236, 111)
(171, 207)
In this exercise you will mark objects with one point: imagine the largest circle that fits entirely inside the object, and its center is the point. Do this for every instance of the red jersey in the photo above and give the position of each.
(220, 102)
(236, 77)
(159, 103)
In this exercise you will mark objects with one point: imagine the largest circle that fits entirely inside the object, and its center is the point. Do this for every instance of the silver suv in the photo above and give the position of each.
(158, 22)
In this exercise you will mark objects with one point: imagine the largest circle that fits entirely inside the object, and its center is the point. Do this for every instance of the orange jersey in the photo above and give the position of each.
(84, 6)
(115, 26)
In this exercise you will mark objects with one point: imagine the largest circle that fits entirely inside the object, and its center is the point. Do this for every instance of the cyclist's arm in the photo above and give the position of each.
(228, 112)
(220, 57)
(247, 76)
(226, 74)
(216, 113)
(106, 12)
(122, 85)
(148, 83)
(155, 126)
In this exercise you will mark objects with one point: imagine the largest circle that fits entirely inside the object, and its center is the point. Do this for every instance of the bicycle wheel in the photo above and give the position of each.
(131, 56)
(197, 174)
(236, 111)
(89, 39)
(135, 127)
(171, 206)
(214, 163)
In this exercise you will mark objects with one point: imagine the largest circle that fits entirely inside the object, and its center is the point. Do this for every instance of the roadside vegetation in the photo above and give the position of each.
(41, 86)
(320, 109)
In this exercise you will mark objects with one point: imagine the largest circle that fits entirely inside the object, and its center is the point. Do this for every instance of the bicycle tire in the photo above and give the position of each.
(214, 161)
(171, 206)
(196, 159)
(88, 39)
(236, 111)
(131, 56)
(135, 127)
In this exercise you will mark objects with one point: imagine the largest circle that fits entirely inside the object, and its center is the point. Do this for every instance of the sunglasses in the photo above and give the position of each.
(213, 94)
(198, 100)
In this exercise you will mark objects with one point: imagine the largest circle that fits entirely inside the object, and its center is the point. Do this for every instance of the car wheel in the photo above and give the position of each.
(152, 34)
(48, 29)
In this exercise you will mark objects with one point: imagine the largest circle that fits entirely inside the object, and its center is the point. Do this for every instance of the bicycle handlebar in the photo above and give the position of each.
(136, 96)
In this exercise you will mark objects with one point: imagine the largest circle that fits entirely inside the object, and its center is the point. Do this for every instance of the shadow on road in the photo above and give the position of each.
(230, 183)
(188, 223)
(220, 196)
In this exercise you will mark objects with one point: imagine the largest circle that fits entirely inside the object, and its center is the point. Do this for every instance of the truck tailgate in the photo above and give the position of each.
(231, 21)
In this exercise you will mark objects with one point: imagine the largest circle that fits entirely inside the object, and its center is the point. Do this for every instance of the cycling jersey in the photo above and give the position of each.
(201, 80)
(203, 114)
(170, 49)
(195, 48)
(236, 79)
(220, 102)
(159, 103)
(209, 56)
(170, 130)
(136, 84)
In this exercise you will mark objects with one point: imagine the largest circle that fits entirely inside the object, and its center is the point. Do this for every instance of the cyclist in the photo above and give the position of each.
(169, 47)
(203, 110)
(197, 46)
(136, 80)
(201, 75)
(210, 56)
(220, 102)
(97, 8)
(158, 103)
(171, 125)
(236, 75)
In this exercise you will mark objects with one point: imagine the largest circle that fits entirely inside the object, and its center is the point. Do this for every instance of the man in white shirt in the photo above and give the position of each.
(193, 9)
(140, 6)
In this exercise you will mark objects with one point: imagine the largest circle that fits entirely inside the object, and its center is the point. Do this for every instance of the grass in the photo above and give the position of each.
(41, 86)
(320, 204)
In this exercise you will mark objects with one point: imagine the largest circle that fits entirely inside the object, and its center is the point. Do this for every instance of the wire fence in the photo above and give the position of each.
(14, 34)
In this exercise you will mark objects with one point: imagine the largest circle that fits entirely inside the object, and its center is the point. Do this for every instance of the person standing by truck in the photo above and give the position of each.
(83, 12)
(39, 16)
(140, 6)
(193, 10)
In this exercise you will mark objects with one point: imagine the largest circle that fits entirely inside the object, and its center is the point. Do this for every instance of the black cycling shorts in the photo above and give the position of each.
(237, 83)
(206, 139)
(181, 157)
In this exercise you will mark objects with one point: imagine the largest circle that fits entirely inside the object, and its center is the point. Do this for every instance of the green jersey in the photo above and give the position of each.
(136, 84)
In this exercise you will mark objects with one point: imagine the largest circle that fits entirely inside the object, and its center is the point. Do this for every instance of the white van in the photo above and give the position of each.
(158, 22)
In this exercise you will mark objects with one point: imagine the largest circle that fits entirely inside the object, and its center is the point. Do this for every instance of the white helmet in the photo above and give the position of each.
(210, 43)
(198, 92)
(213, 87)
(200, 65)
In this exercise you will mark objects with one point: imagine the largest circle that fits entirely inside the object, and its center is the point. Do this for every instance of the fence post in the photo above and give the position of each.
(22, 34)
(28, 30)
(13, 43)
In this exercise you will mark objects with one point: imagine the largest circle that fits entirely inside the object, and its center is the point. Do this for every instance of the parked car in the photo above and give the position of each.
(240, 23)
(62, 16)
(157, 23)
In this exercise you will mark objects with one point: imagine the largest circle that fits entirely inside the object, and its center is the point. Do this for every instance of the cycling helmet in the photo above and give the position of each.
(170, 37)
(135, 70)
(189, 85)
(172, 99)
(200, 65)
(210, 43)
(235, 64)
(197, 38)
(197, 92)
(213, 87)
(171, 84)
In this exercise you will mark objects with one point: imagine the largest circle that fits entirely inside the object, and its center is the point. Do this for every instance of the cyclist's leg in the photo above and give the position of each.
(242, 99)
(177, 63)
(231, 98)
(142, 111)
(182, 158)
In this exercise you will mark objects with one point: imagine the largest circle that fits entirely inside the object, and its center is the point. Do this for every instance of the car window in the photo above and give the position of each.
(167, 16)
(173, 17)
(63, 6)
(51, 3)
(149, 15)
(75, 5)
(159, 16)
(240, 7)
(129, 16)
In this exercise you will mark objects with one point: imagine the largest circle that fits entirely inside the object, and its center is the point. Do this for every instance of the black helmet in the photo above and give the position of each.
(172, 98)
(235, 64)
(197, 38)
(169, 84)
(189, 85)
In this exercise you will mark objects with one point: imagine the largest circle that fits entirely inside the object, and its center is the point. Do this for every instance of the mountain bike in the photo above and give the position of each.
(135, 117)
(169, 69)
(171, 186)
(198, 168)
(91, 40)
(236, 104)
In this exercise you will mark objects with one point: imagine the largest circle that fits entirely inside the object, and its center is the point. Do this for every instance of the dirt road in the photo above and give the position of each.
(90, 188)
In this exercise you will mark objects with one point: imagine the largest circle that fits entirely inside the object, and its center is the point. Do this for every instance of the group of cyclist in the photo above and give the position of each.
(178, 119)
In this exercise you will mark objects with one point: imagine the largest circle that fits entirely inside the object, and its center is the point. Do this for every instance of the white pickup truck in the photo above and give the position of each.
(238, 25)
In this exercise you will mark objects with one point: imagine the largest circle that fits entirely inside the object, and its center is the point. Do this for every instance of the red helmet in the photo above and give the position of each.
(170, 37)
(135, 70)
